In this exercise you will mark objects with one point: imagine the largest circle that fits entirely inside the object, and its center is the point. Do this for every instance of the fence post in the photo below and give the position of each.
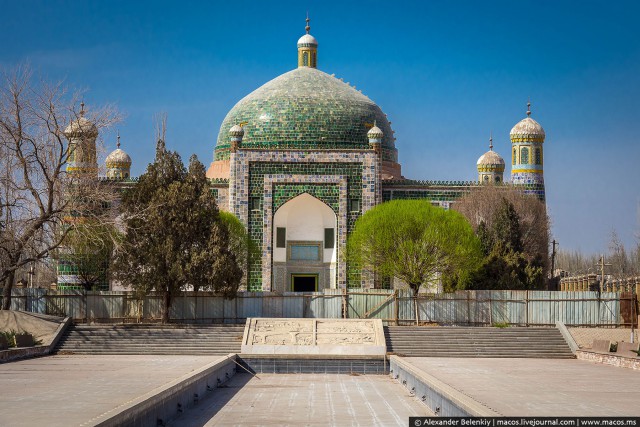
(490, 311)
(396, 307)
(526, 306)
(344, 303)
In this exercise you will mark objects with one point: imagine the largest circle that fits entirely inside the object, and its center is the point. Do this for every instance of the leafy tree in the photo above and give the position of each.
(413, 241)
(506, 265)
(174, 235)
(86, 253)
(240, 243)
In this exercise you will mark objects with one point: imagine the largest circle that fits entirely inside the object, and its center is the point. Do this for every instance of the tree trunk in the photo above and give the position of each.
(415, 289)
(6, 292)
(166, 306)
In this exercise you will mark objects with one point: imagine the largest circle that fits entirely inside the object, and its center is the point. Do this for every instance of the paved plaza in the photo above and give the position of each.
(540, 387)
(73, 390)
(306, 400)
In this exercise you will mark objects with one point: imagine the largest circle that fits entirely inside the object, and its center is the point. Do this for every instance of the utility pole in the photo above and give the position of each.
(601, 264)
(553, 258)
(551, 284)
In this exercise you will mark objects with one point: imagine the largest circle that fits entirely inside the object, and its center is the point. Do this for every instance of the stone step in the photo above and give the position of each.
(152, 339)
(476, 342)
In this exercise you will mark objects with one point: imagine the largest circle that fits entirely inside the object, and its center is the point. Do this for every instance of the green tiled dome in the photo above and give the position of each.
(307, 109)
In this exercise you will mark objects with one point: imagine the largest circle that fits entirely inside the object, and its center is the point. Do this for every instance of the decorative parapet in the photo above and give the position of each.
(428, 183)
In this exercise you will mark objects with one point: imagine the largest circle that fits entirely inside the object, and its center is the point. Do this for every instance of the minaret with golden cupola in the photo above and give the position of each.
(527, 137)
(118, 163)
(82, 135)
(490, 166)
(307, 49)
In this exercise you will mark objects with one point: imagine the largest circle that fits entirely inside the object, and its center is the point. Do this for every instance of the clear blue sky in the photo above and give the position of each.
(446, 73)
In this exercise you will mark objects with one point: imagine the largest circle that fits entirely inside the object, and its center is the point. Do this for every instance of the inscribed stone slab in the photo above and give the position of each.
(354, 337)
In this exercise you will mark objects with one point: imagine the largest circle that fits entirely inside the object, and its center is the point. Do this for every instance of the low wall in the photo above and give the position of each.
(441, 398)
(163, 403)
(285, 364)
(12, 354)
(609, 359)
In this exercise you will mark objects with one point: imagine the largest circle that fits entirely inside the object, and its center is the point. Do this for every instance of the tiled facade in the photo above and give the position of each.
(262, 181)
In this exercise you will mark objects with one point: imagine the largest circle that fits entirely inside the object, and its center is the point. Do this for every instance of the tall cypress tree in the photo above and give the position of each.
(174, 236)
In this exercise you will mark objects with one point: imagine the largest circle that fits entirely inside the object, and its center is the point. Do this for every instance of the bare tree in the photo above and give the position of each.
(480, 205)
(40, 201)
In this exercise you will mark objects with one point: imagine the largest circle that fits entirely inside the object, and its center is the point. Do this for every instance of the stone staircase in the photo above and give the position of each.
(417, 341)
(152, 339)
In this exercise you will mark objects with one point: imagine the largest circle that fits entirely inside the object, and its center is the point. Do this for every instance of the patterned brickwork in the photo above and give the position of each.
(260, 177)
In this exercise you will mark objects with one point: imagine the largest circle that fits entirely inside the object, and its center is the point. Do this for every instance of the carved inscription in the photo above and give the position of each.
(276, 332)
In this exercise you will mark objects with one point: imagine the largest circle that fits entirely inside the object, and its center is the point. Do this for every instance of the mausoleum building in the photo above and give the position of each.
(302, 157)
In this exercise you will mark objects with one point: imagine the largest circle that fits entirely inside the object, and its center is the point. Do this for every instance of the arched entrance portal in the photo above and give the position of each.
(304, 246)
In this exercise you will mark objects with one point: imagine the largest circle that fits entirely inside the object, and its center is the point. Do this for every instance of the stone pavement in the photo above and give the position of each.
(584, 336)
(540, 387)
(306, 400)
(73, 390)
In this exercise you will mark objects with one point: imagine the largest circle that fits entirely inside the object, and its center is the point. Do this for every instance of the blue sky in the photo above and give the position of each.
(447, 73)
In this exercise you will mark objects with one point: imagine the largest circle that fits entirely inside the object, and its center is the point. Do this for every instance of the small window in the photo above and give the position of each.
(305, 59)
(329, 238)
(524, 156)
(281, 237)
(305, 252)
(255, 203)
(538, 156)
(497, 179)
(354, 205)
(513, 158)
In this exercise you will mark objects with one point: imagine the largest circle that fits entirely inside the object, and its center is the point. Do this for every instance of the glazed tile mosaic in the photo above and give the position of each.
(255, 172)
(306, 109)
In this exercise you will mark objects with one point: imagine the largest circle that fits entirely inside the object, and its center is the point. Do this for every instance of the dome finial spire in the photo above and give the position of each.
(82, 108)
(491, 141)
(118, 143)
(307, 49)
(529, 107)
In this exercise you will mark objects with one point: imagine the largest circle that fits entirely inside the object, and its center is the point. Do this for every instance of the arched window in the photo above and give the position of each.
(497, 178)
(305, 59)
(524, 155)
(538, 156)
(513, 158)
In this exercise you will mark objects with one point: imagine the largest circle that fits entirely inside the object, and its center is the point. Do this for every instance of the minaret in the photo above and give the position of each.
(375, 136)
(118, 163)
(82, 135)
(490, 166)
(527, 138)
(307, 49)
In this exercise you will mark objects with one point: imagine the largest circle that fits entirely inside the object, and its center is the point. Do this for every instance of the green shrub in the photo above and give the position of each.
(501, 325)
